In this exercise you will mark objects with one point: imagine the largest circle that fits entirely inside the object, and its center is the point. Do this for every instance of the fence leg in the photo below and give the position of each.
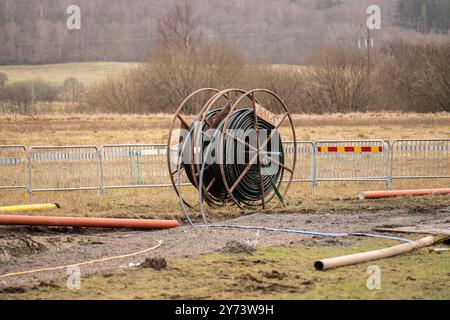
(388, 184)
(101, 186)
(314, 166)
(29, 177)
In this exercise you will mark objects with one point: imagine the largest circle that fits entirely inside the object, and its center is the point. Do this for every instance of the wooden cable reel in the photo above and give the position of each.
(209, 146)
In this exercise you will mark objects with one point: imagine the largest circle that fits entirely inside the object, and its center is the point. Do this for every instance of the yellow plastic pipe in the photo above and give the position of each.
(331, 263)
(30, 207)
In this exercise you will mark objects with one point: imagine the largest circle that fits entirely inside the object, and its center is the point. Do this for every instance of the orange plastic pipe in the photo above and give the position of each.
(402, 193)
(87, 222)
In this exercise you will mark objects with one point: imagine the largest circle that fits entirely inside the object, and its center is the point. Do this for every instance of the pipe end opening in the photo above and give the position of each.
(318, 265)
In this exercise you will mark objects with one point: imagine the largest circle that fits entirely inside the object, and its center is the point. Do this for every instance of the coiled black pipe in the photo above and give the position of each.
(248, 191)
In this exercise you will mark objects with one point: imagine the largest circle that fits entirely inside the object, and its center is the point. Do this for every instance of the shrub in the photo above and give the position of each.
(170, 75)
(3, 79)
(118, 95)
(338, 81)
(72, 89)
(288, 82)
(415, 77)
(19, 95)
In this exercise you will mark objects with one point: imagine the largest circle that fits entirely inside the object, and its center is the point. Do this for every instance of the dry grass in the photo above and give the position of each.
(161, 202)
(86, 72)
(75, 129)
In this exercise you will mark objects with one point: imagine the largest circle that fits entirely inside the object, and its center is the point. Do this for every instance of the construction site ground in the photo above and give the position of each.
(205, 263)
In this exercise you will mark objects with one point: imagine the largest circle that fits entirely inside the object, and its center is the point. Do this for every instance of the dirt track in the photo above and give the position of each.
(24, 248)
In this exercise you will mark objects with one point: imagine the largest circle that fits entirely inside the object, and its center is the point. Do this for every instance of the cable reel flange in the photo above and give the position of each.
(184, 125)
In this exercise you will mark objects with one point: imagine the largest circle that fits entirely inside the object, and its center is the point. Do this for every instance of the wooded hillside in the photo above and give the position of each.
(283, 31)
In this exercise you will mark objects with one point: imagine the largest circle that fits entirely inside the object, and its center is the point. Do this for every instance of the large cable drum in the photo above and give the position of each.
(258, 181)
(232, 149)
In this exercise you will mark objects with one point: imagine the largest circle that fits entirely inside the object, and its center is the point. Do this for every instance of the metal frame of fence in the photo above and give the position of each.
(13, 156)
(134, 157)
(114, 166)
(304, 171)
(420, 159)
(351, 160)
(56, 167)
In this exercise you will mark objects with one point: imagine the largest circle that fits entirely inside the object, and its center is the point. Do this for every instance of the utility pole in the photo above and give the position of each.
(32, 96)
(367, 42)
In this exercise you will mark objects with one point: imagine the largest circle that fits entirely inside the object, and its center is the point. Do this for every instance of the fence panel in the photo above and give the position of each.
(13, 167)
(420, 158)
(63, 168)
(304, 164)
(134, 166)
(355, 160)
(144, 165)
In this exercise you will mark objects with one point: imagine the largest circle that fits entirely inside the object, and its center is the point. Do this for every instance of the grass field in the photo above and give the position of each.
(110, 129)
(86, 72)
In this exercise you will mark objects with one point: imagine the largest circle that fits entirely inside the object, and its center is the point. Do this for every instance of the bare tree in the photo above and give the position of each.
(179, 27)
(172, 74)
(72, 89)
(415, 76)
(338, 81)
(3, 79)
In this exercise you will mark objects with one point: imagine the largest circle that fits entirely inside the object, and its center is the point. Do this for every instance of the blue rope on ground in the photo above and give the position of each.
(309, 233)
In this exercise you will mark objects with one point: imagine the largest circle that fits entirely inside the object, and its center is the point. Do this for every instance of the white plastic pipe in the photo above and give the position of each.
(326, 264)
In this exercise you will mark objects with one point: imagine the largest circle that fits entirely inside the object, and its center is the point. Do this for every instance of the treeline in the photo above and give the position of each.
(335, 77)
(401, 76)
(282, 31)
(424, 15)
(404, 77)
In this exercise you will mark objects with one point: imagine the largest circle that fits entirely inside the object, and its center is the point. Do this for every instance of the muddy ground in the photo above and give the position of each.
(25, 248)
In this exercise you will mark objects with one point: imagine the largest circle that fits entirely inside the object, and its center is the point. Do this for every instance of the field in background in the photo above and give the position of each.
(76, 129)
(161, 202)
(86, 72)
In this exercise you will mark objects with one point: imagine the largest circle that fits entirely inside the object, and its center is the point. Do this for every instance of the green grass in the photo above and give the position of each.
(86, 72)
(270, 273)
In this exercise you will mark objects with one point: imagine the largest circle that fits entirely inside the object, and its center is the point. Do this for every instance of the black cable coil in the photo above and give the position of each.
(249, 190)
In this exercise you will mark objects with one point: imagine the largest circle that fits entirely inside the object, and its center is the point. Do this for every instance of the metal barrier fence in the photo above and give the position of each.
(134, 166)
(13, 164)
(420, 158)
(144, 165)
(364, 160)
(304, 165)
(63, 168)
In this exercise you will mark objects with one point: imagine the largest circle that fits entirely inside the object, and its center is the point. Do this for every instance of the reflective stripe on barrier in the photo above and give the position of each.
(351, 160)
(353, 149)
